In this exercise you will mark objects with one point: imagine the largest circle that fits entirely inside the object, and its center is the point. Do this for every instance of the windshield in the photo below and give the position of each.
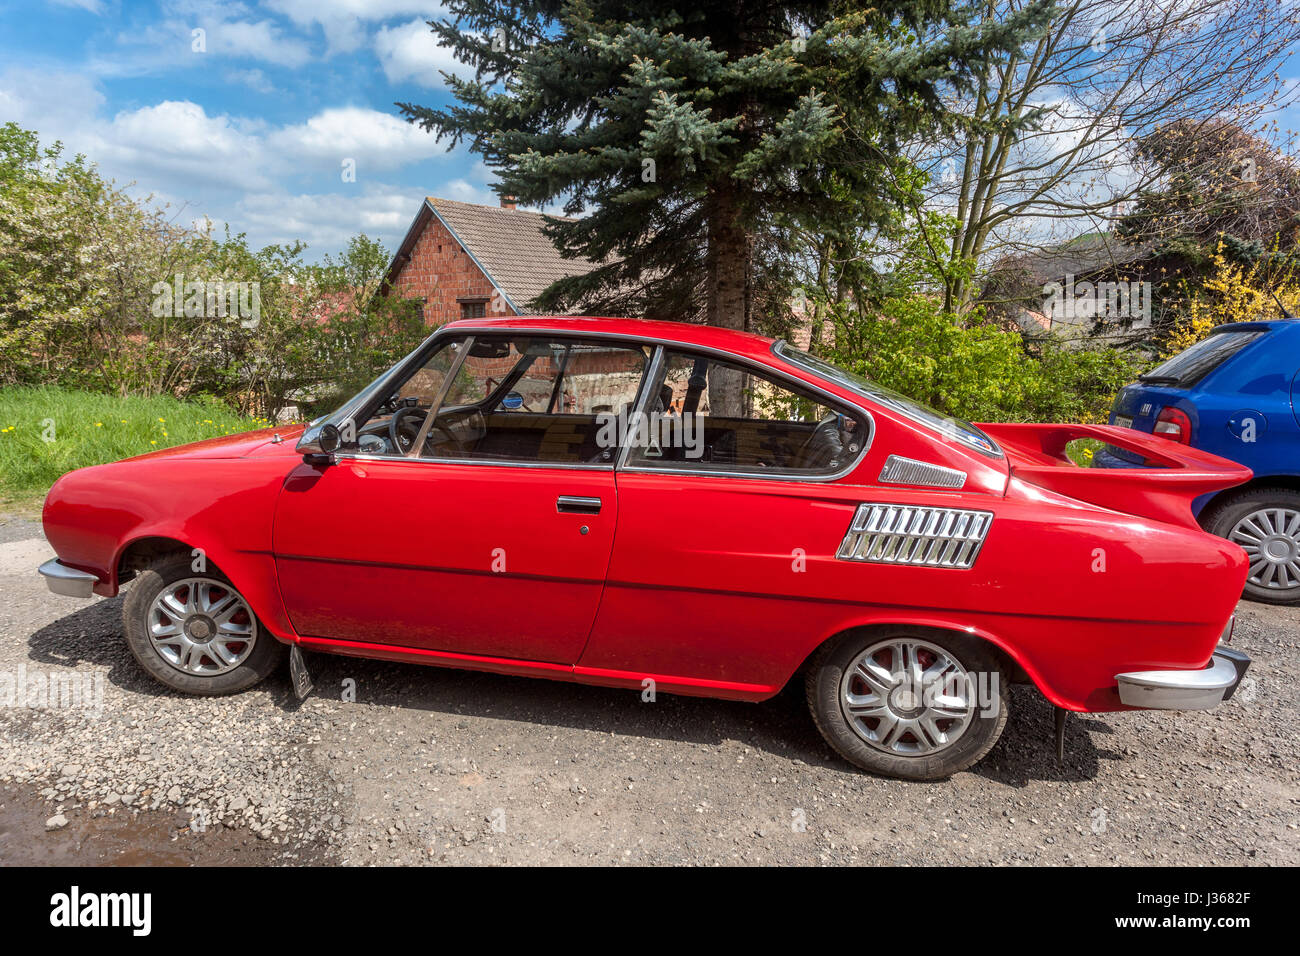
(1191, 365)
(946, 425)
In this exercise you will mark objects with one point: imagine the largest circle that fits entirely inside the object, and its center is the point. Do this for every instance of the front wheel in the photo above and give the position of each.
(1265, 523)
(194, 632)
(912, 704)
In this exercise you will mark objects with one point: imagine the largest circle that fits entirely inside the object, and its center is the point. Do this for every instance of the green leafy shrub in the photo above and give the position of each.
(975, 370)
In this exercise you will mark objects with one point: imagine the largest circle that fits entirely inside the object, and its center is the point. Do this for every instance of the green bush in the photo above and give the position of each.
(974, 370)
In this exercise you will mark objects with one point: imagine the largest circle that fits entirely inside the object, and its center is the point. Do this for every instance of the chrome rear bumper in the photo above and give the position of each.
(67, 581)
(1185, 690)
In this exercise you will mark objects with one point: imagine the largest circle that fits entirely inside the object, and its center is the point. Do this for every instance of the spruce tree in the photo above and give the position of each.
(680, 135)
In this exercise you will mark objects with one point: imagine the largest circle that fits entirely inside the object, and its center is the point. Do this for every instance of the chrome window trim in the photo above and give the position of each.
(762, 474)
(661, 345)
(653, 368)
(570, 466)
(470, 336)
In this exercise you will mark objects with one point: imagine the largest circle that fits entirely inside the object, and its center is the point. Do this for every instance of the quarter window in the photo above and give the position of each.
(709, 415)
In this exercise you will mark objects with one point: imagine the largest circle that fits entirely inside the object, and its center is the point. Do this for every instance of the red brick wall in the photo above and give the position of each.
(440, 272)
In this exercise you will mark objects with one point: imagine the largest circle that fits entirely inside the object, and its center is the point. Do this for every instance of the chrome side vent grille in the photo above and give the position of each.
(905, 534)
(908, 471)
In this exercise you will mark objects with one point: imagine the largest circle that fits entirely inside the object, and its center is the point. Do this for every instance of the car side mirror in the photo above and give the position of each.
(320, 450)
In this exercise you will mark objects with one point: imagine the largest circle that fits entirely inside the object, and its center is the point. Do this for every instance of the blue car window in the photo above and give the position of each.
(1191, 365)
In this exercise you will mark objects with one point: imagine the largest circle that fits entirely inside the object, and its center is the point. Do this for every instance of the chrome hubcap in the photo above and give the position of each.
(907, 697)
(1271, 539)
(201, 626)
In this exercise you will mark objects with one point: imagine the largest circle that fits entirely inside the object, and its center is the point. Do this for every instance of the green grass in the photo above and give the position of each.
(1082, 451)
(90, 429)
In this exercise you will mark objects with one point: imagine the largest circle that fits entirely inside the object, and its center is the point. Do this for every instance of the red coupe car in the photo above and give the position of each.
(675, 508)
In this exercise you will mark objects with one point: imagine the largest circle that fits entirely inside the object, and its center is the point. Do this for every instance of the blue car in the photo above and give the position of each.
(1236, 394)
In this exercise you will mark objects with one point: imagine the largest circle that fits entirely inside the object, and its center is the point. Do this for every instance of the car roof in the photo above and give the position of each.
(1255, 324)
(745, 344)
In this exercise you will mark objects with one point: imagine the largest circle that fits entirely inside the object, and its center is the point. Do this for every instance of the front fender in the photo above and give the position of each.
(225, 507)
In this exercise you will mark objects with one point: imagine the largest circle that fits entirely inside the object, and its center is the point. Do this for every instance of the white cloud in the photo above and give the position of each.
(190, 31)
(274, 182)
(254, 79)
(262, 40)
(54, 103)
(343, 21)
(90, 6)
(375, 140)
(463, 190)
(411, 52)
(178, 142)
(328, 220)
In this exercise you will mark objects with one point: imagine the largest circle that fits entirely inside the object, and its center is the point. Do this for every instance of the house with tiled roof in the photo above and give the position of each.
(1093, 286)
(467, 261)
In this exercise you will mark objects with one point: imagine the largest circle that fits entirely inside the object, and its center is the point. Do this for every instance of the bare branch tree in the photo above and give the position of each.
(1047, 146)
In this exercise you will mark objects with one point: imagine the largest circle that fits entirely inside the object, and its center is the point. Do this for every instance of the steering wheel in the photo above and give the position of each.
(404, 427)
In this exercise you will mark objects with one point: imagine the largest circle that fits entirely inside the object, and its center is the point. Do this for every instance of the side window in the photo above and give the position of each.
(539, 399)
(512, 398)
(710, 415)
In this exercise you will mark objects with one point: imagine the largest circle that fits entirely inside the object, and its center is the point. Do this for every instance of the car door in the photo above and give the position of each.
(728, 529)
(494, 539)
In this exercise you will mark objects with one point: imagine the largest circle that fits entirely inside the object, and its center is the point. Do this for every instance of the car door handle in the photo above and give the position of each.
(576, 505)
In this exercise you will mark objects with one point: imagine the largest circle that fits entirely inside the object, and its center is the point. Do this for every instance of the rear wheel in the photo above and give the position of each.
(195, 632)
(913, 704)
(1265, 523)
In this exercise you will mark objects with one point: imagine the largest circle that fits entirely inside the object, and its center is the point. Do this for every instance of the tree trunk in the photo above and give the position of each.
(727, 278)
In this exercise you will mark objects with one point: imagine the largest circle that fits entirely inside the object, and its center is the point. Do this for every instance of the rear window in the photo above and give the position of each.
(1191, 365)
(945, 425)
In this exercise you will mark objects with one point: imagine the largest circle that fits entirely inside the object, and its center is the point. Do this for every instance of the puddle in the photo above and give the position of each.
(152, 838)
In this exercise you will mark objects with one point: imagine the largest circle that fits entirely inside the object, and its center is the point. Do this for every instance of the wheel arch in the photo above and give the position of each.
(253, 574)
(1019, 669)
(140, 552)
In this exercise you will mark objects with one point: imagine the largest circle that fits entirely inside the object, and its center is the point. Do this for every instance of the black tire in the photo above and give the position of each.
(826, 672)
(265, 656)
(1222, 517)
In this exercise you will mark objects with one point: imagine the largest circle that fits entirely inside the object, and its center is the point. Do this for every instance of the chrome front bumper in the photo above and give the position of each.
(1185, 690)
(67, 581)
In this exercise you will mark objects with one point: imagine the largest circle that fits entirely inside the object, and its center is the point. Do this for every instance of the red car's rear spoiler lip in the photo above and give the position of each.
(1175, 476)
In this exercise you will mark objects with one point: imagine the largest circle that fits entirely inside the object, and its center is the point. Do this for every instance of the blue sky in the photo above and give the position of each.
(253, 129)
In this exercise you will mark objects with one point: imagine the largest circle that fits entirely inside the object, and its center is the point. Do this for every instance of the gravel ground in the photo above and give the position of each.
(398, 764)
